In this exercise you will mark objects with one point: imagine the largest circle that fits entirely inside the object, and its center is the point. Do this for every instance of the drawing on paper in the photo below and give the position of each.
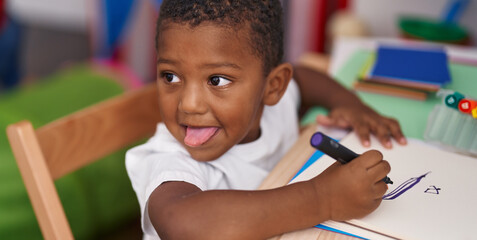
(410, 183)
(432, 190)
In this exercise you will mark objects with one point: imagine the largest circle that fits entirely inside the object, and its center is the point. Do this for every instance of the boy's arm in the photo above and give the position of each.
(179, 210)
(345, 108)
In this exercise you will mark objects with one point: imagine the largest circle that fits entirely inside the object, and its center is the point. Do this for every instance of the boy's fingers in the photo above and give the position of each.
(383, 135)
(380, 189)
(396, 132)
(363, 131)
(342, 123)
(380, 170)
(324, 120)
(340, 120)
(332, 121)
(370, 158)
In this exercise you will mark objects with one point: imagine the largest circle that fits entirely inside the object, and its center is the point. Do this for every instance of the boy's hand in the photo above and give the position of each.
(346, 109)
(364, 121)
(355, 189)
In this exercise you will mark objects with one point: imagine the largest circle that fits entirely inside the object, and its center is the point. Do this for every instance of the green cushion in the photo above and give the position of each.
(97, 198)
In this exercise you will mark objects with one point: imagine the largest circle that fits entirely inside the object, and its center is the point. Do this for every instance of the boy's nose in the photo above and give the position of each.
(192, 100)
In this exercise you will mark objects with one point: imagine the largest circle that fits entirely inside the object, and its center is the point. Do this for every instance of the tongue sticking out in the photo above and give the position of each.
(197, 136)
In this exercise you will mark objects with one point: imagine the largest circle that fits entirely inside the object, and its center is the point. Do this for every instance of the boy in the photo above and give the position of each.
(229, 114)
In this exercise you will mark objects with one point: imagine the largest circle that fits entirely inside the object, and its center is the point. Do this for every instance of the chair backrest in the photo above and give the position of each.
(71, 142)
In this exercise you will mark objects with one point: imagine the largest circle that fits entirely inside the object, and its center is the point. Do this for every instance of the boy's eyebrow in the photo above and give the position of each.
(207, 65)
(162, 60)
(222, 64)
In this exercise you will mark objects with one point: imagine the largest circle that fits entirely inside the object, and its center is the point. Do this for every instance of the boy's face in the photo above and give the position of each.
(211, 88)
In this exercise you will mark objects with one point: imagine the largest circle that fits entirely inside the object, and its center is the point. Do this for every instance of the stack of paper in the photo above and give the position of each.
(433, 195)
(410, 72)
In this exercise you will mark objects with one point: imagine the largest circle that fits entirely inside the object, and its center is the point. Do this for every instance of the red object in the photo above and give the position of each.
(3, 15)
(466, 105)
(325, 9)
(321, 16)
(342, 4)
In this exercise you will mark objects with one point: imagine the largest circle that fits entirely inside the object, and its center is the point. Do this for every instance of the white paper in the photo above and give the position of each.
(417, 214)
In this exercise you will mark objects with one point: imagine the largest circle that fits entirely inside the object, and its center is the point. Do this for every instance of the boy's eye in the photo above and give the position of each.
(171, 78)
(218, 81)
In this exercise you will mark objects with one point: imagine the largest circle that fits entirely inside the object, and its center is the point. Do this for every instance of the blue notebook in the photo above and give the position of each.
(412, 65)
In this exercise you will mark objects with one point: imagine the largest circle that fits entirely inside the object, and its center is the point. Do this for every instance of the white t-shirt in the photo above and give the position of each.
(243, 167)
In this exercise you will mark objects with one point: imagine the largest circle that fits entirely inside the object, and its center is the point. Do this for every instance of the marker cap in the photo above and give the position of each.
(452, 100)
(466, 105)
(316, 139)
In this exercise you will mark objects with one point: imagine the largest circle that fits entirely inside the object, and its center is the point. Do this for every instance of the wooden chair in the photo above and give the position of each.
(69, 143)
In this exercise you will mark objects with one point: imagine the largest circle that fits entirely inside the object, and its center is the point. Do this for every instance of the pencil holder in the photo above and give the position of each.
(453, 123)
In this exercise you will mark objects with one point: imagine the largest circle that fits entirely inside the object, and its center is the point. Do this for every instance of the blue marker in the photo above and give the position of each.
(454, 11)
(335, 150)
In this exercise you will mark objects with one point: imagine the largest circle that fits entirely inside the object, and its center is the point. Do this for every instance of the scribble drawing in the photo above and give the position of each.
(404, 187)
(432, 190)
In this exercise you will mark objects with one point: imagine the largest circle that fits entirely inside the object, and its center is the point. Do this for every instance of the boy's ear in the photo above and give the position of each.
(277, 83)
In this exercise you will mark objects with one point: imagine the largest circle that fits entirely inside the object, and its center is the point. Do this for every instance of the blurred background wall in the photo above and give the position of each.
(312, 24)
(58, 32)
(381, 15)
(54, 33)
(61, 32)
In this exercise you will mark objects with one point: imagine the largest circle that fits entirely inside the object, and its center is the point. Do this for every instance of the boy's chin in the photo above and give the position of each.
(204, 155)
